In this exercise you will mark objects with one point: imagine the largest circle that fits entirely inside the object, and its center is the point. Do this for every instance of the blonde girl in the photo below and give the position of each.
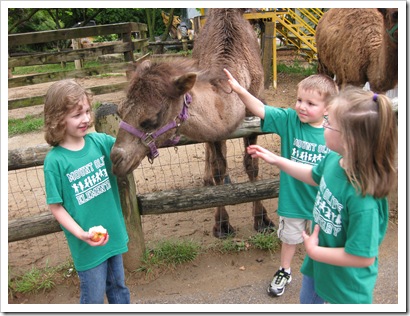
(350, 214)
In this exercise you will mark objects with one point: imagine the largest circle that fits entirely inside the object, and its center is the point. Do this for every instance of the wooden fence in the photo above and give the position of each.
(134, 206)
(127, 47)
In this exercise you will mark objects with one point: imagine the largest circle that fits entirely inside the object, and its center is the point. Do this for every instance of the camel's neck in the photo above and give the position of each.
(212, 116)
(390, 59)
(385, 69)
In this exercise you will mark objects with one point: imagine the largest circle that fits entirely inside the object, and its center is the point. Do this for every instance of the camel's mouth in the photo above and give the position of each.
(122, 164)
(121, 171)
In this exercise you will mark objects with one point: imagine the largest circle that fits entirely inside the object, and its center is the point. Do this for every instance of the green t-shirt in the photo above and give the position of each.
(348, 220)
(83, 183)
(300, 142)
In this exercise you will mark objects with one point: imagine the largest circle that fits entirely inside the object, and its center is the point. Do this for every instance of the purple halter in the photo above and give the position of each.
(148, 139)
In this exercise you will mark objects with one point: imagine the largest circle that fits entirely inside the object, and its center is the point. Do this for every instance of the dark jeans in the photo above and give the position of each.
(307, 292)
(106, 278)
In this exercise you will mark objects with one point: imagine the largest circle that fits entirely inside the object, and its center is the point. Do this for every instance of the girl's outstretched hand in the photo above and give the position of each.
(256, 151)
(312, 241)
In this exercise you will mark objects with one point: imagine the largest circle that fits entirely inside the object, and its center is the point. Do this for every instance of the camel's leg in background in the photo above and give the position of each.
(215, 174)
(260, 216)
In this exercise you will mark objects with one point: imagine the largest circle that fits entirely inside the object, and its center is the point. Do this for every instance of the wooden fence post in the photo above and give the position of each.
(127, 38)
(76, 43)
(107, 122)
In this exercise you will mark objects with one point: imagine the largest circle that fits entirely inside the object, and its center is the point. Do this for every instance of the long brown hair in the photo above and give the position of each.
(61, 98)
(368, 128)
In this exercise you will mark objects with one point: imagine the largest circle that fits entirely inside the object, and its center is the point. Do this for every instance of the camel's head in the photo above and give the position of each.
(391, 18)
(154, 98)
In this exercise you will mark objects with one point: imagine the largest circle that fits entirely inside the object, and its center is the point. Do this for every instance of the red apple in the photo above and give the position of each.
(98, 232)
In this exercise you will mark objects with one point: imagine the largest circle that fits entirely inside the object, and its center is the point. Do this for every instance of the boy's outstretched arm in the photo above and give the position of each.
(253, 104)
(300, 171)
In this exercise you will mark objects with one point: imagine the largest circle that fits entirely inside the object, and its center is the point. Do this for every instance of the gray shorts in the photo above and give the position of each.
(290, 229)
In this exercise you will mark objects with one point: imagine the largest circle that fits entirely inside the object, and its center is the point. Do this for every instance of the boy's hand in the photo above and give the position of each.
(232, 81)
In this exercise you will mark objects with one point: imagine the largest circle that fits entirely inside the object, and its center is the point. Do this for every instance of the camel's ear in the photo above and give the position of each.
(135, 67)
(144, 65)
(185, 82)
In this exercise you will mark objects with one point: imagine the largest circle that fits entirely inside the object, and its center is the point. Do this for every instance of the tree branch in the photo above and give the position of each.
(23, 19)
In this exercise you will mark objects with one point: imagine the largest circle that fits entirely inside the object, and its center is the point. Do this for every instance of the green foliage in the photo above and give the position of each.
(26, 125)
(37, 280)
(233, 245)
(113, 15)
(297, 68)
(105, 38)
(168, 254)
(265, 241)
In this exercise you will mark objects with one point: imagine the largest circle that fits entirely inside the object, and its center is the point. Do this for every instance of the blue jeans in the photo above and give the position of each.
(307, 292)
(106, 278)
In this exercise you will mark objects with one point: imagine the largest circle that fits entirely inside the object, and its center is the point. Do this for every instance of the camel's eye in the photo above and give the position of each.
(148, 125)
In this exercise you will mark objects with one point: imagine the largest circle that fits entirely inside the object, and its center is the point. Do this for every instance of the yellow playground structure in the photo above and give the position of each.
(294, 28)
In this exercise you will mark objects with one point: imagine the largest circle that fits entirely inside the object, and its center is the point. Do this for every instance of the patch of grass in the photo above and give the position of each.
(265, 241)
(25, 125)
(168, 254)
(37, 280)
(51, 68)
(297, 68)
(233, 245)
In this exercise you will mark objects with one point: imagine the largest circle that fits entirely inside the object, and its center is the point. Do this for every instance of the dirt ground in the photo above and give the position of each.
(213, 278)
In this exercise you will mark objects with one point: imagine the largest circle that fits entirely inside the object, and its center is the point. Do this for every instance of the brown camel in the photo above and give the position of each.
(359, 46)
(191, 97)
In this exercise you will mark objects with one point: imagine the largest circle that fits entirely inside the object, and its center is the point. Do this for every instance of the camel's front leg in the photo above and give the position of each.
(215, 174)
(261, 221)
(222, 227)
(215, 164)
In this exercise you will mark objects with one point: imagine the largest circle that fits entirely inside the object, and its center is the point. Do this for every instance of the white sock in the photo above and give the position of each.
(286, 270)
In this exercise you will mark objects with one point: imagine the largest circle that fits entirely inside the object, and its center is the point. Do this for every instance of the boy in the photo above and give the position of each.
(302, 140)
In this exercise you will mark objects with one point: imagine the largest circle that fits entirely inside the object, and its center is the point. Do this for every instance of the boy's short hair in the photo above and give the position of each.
(322, 84)
(61, 98)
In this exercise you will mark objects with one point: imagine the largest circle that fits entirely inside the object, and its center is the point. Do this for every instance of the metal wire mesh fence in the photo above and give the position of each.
(175, 168)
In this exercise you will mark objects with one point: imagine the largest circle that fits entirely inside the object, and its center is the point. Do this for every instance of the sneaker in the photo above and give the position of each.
(280, 279)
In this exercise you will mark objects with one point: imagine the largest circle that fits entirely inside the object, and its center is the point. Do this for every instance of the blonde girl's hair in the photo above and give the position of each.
(62, 97)
(368, 129)
(322, 84)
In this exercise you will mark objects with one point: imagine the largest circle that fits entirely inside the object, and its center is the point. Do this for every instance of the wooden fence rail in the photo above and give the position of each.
(79, 32)
(127, 47)
(169, 201)
(157, 203)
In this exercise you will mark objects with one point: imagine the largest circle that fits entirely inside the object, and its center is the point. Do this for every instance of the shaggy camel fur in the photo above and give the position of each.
(158, 91)
(359, 46)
